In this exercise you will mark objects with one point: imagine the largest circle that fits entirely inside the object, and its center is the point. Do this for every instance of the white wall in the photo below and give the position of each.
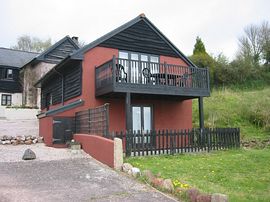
(19, 122)
(16, 100)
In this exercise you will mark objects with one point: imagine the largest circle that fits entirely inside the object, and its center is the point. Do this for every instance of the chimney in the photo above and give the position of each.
(75, 39)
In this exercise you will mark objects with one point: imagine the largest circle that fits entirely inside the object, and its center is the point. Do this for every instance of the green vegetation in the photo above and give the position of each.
(244, 175)
(249, 110)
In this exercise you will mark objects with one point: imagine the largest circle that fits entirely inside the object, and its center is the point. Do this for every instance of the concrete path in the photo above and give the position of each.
(67, 179)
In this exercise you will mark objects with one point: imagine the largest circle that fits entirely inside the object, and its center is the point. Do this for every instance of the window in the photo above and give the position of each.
(139, 62)
(6, 100)
(48, 100)
(9, 74)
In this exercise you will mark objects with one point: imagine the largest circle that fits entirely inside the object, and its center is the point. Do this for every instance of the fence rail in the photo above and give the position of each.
(180, 141)
(93, 121)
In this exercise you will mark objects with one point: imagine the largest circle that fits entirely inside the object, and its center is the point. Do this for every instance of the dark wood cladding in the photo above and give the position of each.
(72, 84)
(60, 52)
(10, 85)
(140, 38)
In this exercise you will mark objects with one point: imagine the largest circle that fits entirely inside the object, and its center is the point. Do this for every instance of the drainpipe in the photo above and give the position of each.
(62, 76)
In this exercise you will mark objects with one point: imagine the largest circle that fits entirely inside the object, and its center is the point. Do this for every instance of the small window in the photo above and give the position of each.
(9, 74)
(6, 100)
(123, 55)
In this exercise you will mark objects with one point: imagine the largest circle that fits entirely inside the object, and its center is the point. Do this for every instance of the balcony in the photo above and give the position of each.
(138, 77)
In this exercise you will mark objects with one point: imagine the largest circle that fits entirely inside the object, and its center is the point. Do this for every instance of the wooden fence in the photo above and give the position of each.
(180, 141)
(93, 121)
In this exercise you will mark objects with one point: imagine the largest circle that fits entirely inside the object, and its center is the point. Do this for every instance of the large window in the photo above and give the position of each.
(139, 62)
(6, 100)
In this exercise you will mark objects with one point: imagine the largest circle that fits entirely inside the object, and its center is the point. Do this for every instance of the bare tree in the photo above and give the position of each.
(34, 44)
(255, 43)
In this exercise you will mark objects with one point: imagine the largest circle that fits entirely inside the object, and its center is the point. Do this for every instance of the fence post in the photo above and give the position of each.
(128, 142)
(106, 107)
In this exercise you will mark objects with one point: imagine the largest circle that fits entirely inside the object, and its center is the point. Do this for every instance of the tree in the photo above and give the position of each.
(199, 46)
(202, 59)
(34, 44)
(255, 44)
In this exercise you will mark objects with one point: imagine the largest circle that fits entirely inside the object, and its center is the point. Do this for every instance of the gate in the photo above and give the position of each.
(63, 129)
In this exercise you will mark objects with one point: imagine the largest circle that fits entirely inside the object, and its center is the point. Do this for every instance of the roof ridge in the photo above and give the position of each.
(18, 50)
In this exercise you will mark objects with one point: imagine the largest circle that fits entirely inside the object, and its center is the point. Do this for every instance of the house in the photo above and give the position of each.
(32, 71)
(10, 85)
(146, 80)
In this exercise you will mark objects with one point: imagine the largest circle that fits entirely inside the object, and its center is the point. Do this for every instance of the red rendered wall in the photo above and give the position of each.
(46, 129)
(167, 114)
(98, 147)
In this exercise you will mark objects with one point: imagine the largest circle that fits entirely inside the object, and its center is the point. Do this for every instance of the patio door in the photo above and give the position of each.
(142, 120)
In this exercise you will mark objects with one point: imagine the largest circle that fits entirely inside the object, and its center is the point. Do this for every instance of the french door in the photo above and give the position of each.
(142, 120)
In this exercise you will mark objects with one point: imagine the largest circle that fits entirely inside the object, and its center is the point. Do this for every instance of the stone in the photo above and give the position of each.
(118, 153)
(16, 142)
(167, 185)
(28, 142)
(40, 139)
(217, 197)
(192, 194)
(28, 137)
(135, 172)
(4, 138)
(148, 175)
(126, 167)
(157, 182)
(34, 141)
(203, 198)
(7, 142)
(29, 155)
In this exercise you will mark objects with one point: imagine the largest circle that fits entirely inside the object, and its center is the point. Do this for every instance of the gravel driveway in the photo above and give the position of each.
(59, 175)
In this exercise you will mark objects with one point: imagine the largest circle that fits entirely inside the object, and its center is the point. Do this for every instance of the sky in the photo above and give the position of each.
(219, 23)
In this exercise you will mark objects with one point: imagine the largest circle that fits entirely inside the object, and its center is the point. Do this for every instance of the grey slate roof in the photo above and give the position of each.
(15, 58)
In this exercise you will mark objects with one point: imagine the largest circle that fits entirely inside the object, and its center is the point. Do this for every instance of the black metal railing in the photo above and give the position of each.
(119, 70)
(93, 121)
(181, 141)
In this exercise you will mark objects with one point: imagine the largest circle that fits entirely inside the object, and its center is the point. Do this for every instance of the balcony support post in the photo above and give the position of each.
(201, 115)
(113, 71)
(128, 112)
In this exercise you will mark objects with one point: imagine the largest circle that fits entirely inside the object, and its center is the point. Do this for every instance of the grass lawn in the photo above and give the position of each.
(249, 110)
(244, 175)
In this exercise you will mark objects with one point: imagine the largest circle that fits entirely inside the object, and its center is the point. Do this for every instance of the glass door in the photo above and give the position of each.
(142, 121)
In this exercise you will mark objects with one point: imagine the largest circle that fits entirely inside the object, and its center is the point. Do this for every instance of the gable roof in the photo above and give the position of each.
(141, 18)
(15, 58)
(52, 55)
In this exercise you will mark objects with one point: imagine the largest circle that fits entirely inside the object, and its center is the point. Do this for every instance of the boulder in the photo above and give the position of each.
(203, 198)
(157, 182)
(126, 167)
(192, 194)
(29, 155)
(135, 172)
(216, 197)
(28, 142)
(167, 185)
(148, 175)
(40, 139)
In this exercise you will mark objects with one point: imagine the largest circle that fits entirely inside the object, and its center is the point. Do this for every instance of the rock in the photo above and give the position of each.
(192, 194)
(4, 138)
(157, 182)
(29, 155)
(16, 142)
(40, 139)
(167, 185)
(28, 142)
(34, 141)
(126, 167)
(135, 172)
(148, 175)
(28, 137)
(7, 142)
(203, 198)
(219, 198)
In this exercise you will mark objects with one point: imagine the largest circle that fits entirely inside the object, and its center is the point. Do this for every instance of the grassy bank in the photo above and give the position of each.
(243, 175)
(249, 110)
